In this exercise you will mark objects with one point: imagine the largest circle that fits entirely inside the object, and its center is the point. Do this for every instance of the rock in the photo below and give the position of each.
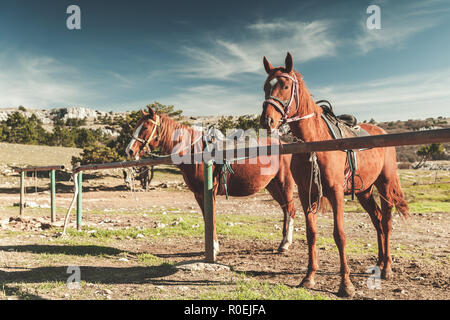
(31, 204)
(159, 225)
(123, 259)
(399, 290)
(202, 266)
(139, 236)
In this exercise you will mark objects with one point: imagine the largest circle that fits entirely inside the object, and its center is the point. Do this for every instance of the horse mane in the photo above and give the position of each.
(167, 128)
(305, 97)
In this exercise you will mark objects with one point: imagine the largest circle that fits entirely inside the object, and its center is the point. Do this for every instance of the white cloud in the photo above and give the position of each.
(415, 95)
(400, 23)
(38, 82)
(224, 59)
(214, 100)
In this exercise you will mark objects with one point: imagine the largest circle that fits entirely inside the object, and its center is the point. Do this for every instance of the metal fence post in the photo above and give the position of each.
(208, 211)
(52, 196)
(22, 192)
(79, 180)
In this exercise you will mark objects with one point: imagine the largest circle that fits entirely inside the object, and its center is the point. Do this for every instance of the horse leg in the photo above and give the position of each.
(346, 288)
(200, 201)
(386, 224)
(283, 194)
(368, 203)
(311, 232)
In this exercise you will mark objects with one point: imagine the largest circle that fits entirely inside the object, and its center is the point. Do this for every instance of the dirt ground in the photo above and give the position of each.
(420, 249)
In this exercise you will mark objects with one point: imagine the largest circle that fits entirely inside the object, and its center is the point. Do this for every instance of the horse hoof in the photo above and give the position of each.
(283, 248)
(216, 247)
(386, 274)
(307, 283)
(346, 290)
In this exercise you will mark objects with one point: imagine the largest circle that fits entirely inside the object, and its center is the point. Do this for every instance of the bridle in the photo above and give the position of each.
(284, 106)
(145, 143)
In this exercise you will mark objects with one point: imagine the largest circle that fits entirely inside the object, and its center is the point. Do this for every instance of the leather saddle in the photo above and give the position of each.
(342, 126)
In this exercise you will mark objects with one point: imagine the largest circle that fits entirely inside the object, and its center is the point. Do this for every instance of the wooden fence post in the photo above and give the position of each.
(52, 196)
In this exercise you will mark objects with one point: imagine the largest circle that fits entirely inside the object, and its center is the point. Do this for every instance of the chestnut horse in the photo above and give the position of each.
(160, 131)
(288, 101)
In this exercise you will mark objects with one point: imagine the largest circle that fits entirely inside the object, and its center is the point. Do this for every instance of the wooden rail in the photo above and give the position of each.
(377, 141)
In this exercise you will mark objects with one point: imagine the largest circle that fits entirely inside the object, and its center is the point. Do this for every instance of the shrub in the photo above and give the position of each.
(97, 153)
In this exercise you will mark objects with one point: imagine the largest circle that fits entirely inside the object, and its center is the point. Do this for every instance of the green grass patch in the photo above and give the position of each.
(258, 290)
(149, 259)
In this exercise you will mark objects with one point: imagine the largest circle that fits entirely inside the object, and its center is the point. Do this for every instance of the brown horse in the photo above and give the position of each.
(160, 131)
(288, 100)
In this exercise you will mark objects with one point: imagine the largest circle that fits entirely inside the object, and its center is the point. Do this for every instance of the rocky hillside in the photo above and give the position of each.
(47, 116)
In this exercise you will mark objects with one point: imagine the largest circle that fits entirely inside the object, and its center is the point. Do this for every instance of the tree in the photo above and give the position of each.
(428, 152)
(20, 129)
(248, 122)
(126, 126)
(226, 123)
(243, 122)
(97, 153)
(169, 110)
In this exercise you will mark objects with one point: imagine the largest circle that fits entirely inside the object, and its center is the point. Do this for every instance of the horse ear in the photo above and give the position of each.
(143, 113)
(289, 63)
(267, 65)
(150, 111)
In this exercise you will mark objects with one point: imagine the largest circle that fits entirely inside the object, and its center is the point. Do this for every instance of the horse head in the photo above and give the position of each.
(145, 135)
(281, 94)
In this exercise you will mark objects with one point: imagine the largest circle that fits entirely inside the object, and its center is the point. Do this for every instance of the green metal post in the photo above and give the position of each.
(22, 192)
(52, 196)
(79, 199)
(208, 212)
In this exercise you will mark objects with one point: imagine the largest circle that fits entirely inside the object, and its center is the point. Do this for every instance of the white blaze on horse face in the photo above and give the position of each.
(133, 140)
(273, 82)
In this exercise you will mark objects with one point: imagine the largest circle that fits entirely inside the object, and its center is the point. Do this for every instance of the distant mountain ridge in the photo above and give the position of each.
(47, 116)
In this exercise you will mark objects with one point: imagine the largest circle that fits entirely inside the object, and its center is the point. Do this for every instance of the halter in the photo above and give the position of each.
(152, 135)
(284, 106)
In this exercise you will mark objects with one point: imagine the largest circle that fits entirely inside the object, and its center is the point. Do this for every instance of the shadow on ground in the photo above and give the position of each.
(78, 250)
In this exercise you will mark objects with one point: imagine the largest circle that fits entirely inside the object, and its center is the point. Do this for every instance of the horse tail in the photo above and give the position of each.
(395, 192)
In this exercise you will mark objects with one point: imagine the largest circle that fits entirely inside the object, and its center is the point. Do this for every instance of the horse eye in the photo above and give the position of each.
(286, 87)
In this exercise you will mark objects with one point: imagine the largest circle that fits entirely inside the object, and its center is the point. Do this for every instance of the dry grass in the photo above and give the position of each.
(34, 155)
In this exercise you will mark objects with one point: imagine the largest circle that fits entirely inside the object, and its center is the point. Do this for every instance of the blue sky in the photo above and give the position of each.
(205, 57)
